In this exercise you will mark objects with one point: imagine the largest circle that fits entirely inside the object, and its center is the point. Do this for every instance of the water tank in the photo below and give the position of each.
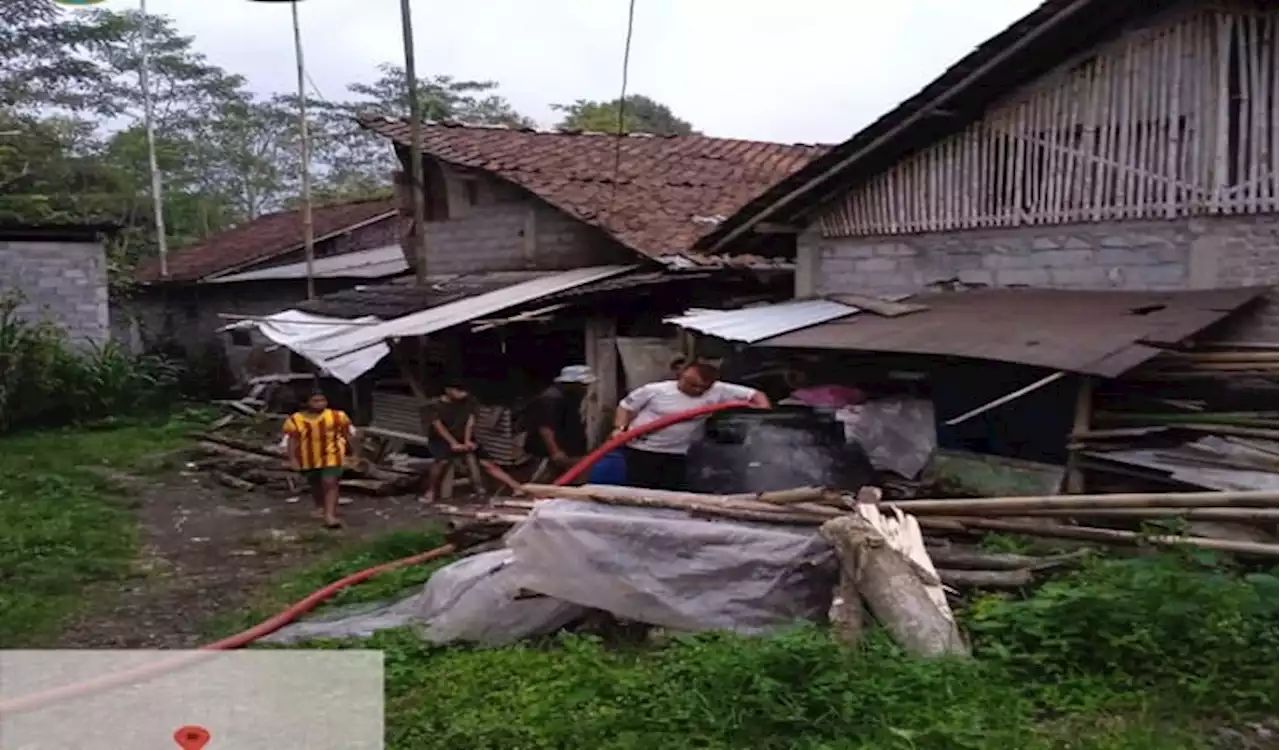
(760, 451)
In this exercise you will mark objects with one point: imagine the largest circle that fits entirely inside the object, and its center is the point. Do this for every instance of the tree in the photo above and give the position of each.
(640, 115)
(43, 58)
(356, 163)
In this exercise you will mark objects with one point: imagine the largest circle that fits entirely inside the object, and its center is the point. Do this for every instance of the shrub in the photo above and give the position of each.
(45, 381)
(1176, 627)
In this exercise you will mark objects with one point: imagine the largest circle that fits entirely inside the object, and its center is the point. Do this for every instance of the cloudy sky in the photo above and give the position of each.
(795, 71)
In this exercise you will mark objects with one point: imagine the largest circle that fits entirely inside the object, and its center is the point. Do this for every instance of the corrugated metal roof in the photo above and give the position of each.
(464, 310)
(752, 324)
(376, 263)
(1091, 332)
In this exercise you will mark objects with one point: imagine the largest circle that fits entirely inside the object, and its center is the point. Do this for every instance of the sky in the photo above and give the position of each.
(801, 71)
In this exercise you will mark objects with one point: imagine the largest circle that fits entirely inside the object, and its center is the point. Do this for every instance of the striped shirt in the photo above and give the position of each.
(322, 438)
(656, 400)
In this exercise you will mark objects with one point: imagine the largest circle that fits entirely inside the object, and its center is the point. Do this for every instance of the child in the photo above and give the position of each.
(319, 439)
(451, 434)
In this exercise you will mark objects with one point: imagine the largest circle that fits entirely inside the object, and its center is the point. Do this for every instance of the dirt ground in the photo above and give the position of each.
(205, 548)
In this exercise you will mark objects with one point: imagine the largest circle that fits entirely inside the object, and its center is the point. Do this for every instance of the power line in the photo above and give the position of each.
(622, 105)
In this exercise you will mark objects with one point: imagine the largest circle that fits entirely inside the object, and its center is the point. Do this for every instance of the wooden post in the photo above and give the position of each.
(1080, 425)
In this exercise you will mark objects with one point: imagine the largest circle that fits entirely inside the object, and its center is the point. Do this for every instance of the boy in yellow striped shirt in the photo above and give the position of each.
(319, 439)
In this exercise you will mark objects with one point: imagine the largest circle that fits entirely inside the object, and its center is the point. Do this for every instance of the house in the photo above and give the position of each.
(1094, 144)
(257, 268)
(1092, 185)
(544, 249)
(57, 274)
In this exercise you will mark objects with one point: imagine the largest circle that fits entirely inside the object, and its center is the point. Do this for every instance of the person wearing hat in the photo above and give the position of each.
(554, 418)
(451, 425)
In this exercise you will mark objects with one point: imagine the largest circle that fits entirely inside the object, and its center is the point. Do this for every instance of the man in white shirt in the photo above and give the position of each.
(657, 460)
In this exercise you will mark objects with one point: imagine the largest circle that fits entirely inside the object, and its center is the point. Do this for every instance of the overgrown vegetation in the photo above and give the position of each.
(63, 524)
(1142, 654)
(45, 381)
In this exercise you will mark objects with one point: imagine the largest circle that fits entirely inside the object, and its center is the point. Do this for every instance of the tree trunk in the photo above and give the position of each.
(891, 586)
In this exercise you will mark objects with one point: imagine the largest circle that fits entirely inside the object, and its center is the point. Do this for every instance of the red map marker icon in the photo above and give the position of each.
(191, 737)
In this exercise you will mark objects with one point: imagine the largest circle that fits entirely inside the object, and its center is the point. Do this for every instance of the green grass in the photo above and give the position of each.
(349, 558)
(1145, 654)
(64, 526)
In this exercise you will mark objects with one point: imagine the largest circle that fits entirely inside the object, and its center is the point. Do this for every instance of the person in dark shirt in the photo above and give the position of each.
(451, 434)
(554, 418)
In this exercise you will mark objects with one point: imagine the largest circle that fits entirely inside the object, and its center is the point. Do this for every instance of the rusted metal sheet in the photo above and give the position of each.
(1103, 333)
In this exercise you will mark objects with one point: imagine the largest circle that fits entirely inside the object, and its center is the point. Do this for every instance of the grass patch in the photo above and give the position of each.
(348, 558)
(1140, 654)
(62, 523)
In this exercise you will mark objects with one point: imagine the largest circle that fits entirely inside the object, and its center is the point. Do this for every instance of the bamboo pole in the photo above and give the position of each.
(148, 121)
(1271, 515)
(308, 230)
(415, 155)
(1116, 536)
(1018, 505)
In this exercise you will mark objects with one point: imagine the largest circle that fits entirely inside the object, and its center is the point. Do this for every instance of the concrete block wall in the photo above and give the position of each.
(61, 282)
(509, 229)
(1189, 253)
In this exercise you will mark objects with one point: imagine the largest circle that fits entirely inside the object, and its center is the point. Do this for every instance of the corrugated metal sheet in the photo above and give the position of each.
(376, 263)
(752, 324)
(463, 311)
(1091, 332)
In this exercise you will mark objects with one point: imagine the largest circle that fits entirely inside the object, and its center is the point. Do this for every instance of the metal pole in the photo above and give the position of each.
(308, 235)
(157, 189)
(415, 157)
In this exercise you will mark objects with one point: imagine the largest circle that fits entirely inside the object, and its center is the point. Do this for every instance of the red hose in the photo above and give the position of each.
(311, 601)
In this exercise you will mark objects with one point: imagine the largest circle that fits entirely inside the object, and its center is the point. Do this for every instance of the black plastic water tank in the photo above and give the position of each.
(760, 451)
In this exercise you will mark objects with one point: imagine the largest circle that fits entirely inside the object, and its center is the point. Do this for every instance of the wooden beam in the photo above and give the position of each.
(769, 227)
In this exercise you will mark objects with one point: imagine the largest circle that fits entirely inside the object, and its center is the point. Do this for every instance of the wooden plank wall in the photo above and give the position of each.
(1174, 120)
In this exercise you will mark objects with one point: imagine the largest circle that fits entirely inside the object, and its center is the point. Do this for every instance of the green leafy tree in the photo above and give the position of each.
(44, 58)
(640, 115)
(357, 163)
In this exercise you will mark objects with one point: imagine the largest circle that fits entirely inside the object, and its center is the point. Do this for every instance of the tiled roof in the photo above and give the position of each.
(263, 238)
(671, 189)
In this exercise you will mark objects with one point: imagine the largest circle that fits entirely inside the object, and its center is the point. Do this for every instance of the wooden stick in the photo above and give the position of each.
(986, 579)
(1113, 536)
(1016, 505)
(1042, 382)
(975, 559)
(645, 497)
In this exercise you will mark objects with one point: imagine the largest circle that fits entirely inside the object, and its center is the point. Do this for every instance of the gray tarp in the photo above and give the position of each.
(655, 566)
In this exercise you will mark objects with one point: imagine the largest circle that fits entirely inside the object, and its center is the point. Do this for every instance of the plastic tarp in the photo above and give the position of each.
(311, 336)
(897, 433)
(667, 569)
(475, 599)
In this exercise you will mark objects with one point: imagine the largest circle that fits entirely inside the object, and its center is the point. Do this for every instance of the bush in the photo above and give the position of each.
(1173, 627)
(1141, 654)
(45, 381)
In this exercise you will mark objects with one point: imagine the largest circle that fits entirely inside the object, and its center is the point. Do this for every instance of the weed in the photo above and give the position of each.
(45, 381)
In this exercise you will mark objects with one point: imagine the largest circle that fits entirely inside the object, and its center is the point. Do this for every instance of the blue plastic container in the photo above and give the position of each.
(610, 469)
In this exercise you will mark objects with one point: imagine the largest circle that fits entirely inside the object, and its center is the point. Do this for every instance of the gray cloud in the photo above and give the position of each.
(803, 71)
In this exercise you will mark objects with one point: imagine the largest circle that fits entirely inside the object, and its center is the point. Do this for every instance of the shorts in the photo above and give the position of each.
(315, 477)
(441, 451)
(655, 471)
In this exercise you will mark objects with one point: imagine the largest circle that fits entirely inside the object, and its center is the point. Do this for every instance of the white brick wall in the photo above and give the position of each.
(61, 282)
(1191, 253)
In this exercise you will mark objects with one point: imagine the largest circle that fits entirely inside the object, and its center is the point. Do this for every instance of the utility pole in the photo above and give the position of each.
(157, 189)
(308, 231)
(415, 157)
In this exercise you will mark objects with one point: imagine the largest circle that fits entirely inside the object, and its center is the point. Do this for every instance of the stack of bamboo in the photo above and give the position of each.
(1209, 362)
(1033, 516)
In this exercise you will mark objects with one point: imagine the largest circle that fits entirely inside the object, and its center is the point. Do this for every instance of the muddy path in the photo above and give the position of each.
(203, 551)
